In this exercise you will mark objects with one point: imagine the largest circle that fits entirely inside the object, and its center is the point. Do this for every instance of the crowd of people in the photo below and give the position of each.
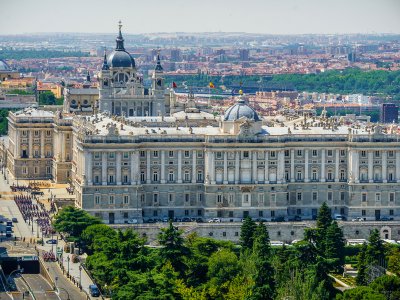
(48, 256)
(30, 210)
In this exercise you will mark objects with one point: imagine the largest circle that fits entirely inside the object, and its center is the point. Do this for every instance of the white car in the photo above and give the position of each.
(133, 221)
(214, 220)
(357, 219)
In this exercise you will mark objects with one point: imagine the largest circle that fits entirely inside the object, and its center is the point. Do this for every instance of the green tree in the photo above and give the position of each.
(334, 246)
(93, 235)
(394, 261)
(247, 234)
(389, 286)
(264, 285)
(47, 98)
(361, 293)
(222, 267)
(361, 278)
(173, 248)
(73, 221)
(324, 219)
(375, 251)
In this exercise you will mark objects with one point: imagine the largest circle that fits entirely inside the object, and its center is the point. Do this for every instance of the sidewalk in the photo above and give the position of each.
(77, 275)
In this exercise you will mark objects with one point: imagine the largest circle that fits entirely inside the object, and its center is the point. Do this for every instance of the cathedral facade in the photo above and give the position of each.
(121, 90)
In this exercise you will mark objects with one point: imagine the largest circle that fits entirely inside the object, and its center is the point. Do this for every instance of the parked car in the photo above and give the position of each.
(94, 290)
(339, 217)
(54, 242)
(357, 219)
(132, 221)
(199, 220)
(9, 223)
(8, 234)
(185, 219)
(14, 220)
(278, 219)
(165, 219)
(384, 219)
(216, 220)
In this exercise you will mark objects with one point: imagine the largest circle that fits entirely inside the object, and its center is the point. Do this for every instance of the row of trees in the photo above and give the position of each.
(203, 268)
(336, 81)
(23, 54)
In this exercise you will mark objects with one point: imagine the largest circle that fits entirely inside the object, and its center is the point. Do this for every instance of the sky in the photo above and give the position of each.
(252, 16)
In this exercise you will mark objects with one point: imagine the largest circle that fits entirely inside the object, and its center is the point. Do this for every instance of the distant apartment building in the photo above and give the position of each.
(389, 113)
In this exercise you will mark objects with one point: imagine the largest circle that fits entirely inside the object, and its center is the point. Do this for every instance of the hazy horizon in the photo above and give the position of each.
(278, 17)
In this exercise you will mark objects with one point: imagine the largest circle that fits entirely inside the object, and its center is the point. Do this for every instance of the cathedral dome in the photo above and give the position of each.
(239, 110)
(119, 58)
(4, 66)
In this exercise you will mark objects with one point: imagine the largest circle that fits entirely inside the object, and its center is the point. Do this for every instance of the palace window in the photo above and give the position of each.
(111, 199)
(330, 152)
(155, 176)
(364, 197)
(314, 153)
(187, 176)
(314, 196)
(272, 154)
(199, 176)
(97, 199)
(299, 196)
(155, 153)
(363, 153)
(186, 154)
(171, 176)
(142, 153)
(126, 199)
(299, 152)
(245, 154)
(391, 197)
(171, 154)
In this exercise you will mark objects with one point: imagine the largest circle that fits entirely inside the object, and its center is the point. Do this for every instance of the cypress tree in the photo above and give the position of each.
(247, 234)
(361, 278)
(264, 283)
(334, 246)
(324, 219)
(375, 251)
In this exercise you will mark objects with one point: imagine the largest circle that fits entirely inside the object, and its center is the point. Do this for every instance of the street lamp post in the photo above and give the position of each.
(80, 276)
(60, 288)
(68, 258)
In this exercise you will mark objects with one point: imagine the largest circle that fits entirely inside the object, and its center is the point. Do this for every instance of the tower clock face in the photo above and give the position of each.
(159, 82)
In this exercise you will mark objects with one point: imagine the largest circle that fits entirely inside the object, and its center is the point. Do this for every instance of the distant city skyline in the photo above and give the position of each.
(252, 16)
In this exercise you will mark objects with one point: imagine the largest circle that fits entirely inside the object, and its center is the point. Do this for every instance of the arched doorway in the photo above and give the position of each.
(386, 233)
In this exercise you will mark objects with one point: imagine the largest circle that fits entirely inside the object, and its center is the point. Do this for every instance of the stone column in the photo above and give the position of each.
(384, 166)
(42, 143)
(118, 168)
(237, 167)
(292, 179)
(30, 143)
(337, 165)
(162, 175)
(225, 167)
(323, 165)
(306, 166)
(179, 166)
(370, 166)
(266, 168)
(148, 167)
(134, 173)
(17, 144)
(254, 167)
(398, 166)
(212, 155)
(194, 166)
(281, 161)
(104, 168)
(88, 168)
(355, 166)
(162, 166)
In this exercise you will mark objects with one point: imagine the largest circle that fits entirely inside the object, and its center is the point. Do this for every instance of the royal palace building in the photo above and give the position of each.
(138, 155)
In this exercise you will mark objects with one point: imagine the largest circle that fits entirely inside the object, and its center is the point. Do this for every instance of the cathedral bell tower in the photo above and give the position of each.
(158, 79)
